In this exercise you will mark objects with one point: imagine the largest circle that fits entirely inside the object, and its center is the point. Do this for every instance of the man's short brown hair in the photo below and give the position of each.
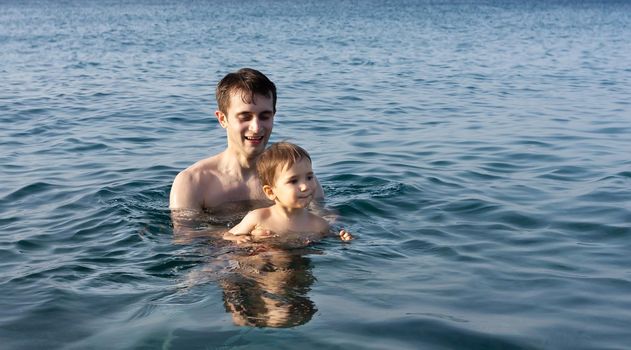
(277, 157)
(246, 81)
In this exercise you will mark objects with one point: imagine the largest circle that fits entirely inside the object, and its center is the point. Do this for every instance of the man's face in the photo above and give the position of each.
(248, 125)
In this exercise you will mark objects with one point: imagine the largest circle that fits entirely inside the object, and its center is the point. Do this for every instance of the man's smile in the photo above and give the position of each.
(254, 138)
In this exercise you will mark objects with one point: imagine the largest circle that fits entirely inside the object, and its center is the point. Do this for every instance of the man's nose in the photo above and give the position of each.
(304, 186)
(254, 124)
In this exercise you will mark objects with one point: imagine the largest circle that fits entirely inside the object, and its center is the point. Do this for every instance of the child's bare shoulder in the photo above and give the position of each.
(260, 213)
(250, 221)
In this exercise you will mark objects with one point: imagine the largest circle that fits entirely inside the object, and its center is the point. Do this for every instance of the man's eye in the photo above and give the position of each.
(310, 177)
(293, 181)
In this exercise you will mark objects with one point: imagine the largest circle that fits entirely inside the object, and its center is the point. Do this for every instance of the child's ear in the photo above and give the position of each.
(269, 192)
(222, 118)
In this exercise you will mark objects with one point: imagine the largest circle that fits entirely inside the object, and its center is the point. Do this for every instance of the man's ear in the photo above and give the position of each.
(222, 118)
(269, 192)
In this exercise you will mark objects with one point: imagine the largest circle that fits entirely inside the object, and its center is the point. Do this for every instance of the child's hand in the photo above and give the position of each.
(345, 235)
(260, 232)
(239, 239)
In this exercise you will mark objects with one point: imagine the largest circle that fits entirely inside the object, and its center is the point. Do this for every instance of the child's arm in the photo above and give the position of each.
(249, 228)
(326, 229)
(244, 238)
(241, 232)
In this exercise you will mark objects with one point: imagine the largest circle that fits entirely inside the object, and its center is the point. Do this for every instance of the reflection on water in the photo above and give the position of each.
(269, 289)
(264, 284)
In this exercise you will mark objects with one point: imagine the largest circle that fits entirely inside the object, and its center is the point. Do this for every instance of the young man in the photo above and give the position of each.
(246, 102)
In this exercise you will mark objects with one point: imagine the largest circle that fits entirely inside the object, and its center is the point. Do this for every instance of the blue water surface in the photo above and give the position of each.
(479, 150)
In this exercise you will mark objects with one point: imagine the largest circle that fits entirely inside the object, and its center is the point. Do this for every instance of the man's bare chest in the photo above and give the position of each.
(230, 190)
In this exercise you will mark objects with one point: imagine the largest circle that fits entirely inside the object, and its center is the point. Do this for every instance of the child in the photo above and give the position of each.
(287, 177)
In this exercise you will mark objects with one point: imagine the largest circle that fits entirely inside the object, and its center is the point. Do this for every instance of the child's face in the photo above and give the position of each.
(294, 186)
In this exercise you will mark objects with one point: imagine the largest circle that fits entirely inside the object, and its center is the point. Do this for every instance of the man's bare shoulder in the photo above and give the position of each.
(201, 172)
(206, 166)
(319, 224)
(191, 185)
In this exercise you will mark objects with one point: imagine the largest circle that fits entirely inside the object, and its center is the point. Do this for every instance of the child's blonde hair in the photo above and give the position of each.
(278, 156)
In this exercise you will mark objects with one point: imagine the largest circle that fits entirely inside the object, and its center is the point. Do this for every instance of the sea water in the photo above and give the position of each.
(479, 150)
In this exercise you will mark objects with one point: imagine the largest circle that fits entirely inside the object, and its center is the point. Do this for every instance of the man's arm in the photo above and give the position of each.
(186, 192)
(185, 205)
(319, 193)
(317, 205)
